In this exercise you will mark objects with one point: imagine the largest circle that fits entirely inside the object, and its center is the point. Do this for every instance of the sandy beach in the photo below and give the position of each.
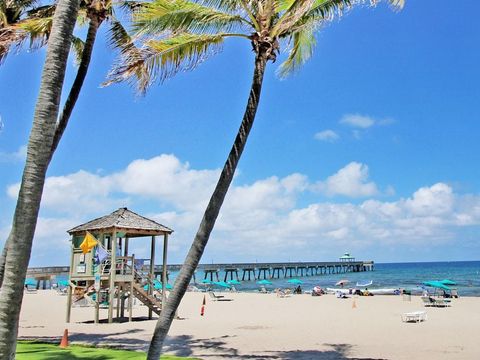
(263, 326)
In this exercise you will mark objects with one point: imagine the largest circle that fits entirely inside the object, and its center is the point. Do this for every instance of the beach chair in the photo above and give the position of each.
(283, 293)
(428, 301)
(441, 302)
(30, 290)
(218, 297)
(454, 293)
(414, 316)
(263, 290)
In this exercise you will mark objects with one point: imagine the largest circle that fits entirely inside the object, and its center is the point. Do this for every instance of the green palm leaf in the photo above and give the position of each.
(77, 48)
(37, 29)
(161, 59)
(225, 5)
(303, 43)
(185, 16)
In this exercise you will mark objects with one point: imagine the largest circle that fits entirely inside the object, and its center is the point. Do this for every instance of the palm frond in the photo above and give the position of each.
(130, 5)
(303, 43)
(77, 49)
(185, 16)
(225, 5)
(10, 36)
(327, 10)
(283, 5)
(119, 39)
(38, 30)
(294, 12)
(82, 18)
(41, 11)
(161, 59)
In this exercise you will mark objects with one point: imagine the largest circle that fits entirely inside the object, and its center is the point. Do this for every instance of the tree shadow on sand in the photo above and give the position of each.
(216, 348)
(207, 349)
(118, 340)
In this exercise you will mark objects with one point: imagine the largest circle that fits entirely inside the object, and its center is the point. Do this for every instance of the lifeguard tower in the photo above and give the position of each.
(107, 274)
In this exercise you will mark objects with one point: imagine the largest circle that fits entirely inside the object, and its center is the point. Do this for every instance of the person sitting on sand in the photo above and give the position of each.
(366, 292)
(298, 290)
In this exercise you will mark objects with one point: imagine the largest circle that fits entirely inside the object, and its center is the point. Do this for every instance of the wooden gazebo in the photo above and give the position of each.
(108, 273)
(346, 258)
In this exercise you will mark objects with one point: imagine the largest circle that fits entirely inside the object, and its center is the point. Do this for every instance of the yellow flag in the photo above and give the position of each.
(88, 243)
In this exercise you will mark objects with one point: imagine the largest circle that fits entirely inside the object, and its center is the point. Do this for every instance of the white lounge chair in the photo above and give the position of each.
(414, 316)
(442, 302)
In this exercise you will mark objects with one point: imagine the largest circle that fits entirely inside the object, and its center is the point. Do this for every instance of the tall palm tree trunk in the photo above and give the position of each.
(210, 216)
(38, 157)
(72, 98)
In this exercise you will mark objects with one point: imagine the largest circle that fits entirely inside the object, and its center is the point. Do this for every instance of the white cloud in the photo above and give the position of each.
(364, 121)
(259, 220)
(352, 181)
(165, 178)
(435, 200)
(327, 135)
(357, 120)
(19, 155)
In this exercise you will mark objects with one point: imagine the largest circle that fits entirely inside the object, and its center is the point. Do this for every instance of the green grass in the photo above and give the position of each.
(28, 350)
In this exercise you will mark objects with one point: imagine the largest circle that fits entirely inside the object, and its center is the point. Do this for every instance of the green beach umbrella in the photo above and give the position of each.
(30, 282)
(167, 286)
(222, 284)
(234, 282)
(436, 284)
(264, 282)
(158, 285)
(63, 283)
(448, 282)
(295, 281)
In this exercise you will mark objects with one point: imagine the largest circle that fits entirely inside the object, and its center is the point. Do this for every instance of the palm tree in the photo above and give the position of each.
(36, 26)
(38, 158)
(11, 12)
(178, 34)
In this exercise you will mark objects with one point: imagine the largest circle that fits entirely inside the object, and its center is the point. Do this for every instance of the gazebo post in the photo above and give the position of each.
(164, 269)
(130, 295)
(97, 305)
(69, 289)
(113, 269)
(119, 296)
(125, 253)
(152, 271)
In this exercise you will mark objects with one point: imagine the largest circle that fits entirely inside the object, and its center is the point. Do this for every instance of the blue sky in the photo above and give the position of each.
(372, 147)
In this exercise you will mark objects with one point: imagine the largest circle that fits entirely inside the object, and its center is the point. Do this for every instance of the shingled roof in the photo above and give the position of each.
(123, 220)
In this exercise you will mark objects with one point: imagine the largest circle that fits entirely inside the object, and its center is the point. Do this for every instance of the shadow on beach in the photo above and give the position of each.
(215, 348)
(120, 320)
(207, 349)
(117, 340)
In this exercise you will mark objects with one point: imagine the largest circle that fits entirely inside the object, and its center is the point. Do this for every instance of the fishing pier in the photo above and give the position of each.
(235, 271)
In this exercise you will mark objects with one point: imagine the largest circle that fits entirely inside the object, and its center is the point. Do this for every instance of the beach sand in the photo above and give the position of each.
(263, 326)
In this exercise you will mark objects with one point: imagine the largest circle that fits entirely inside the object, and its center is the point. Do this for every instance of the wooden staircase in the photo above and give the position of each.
(140, 280)
(148, 300)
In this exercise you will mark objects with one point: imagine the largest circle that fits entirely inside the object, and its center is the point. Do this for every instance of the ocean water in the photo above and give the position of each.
(392, 275)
